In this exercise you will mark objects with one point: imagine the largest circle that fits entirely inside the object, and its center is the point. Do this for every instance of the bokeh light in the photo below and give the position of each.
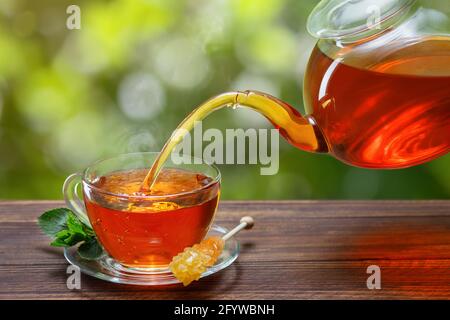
(141, 96)
(181, 63)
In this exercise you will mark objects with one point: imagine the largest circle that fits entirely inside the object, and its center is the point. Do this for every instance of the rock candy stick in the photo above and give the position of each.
(189, 265)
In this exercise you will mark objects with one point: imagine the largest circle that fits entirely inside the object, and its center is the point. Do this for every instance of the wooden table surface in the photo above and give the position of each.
(297, 250)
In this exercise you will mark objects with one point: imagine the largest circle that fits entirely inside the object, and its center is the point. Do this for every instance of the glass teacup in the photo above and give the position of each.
(145, 231)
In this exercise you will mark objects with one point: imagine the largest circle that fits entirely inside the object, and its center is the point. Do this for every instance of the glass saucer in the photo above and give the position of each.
(108, 269)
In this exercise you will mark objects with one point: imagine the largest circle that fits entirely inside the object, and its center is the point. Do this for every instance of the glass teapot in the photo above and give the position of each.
(376, 89)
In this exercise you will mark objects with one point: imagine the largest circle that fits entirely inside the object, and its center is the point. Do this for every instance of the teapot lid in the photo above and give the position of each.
(354, 19)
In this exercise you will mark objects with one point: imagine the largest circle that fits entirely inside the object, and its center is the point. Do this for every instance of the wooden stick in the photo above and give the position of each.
(246, 222)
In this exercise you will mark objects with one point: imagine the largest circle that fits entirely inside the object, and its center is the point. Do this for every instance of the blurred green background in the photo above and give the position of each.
(126, 79)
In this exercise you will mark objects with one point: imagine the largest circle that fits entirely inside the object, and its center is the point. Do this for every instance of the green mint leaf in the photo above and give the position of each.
(58, 243)
(53, 221)
(62, 234)
(66, 238)
(91, 249)
(67, 230)
(75, 225)
(74, 238)
(88, 231)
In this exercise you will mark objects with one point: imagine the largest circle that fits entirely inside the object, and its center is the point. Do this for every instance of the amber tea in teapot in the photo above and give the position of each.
(392, 113)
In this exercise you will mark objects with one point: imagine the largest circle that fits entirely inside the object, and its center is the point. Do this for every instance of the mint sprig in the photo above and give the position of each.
(67, 230)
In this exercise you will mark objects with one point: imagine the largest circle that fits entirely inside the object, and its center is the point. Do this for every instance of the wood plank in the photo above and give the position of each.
(298, 249)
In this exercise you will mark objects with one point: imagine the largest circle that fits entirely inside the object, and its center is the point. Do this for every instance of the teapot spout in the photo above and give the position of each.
(300, 131)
